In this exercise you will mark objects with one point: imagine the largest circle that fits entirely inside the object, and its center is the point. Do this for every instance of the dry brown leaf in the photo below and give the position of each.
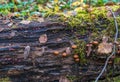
(58, 39)
(43, 38)
(105, 48)
(40, 20)
(25, 22)
(68, 50)
(10, 24)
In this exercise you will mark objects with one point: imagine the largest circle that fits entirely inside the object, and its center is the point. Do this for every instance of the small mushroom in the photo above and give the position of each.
(64, 54)
(77, 59)
(56, 52)
(74, 46)
(75, 56)
(95, 42)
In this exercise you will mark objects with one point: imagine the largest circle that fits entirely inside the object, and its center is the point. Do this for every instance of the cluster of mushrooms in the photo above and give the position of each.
(67, 52)
(103, 48)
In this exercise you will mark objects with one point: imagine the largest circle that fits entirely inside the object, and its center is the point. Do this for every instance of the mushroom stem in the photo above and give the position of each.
(89, 50)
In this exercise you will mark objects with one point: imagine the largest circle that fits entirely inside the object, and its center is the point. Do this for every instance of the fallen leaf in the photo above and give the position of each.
(43, 38)
(104, 47)
(58, 39)
(76, 3)
(68, 50)
(40, 20)
(25, 22)
(26, 52)
(78, 9)
(10, 24)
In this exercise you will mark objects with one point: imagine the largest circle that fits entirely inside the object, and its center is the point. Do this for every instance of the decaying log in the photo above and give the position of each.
(48, 67)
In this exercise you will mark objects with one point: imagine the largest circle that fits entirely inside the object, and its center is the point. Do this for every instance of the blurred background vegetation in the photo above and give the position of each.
(30, 7)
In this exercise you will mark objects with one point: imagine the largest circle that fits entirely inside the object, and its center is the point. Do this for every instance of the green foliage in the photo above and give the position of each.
(100, 3)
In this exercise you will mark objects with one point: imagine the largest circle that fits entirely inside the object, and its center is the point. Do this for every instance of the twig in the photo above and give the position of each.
(114, 46)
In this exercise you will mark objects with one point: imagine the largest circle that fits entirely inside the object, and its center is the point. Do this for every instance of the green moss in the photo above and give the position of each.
(7, 79)
(117, 60)
(80, 50)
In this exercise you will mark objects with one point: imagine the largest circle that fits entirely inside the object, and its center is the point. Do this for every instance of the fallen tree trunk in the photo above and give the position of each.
(49, 67)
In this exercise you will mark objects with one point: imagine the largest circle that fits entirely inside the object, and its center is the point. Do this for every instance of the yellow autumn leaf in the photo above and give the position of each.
(40, 7)
(69, 13)
(85, 6)
(56, 1)
(76, 3)
(81, 1)
(78, 9)
(56, 8)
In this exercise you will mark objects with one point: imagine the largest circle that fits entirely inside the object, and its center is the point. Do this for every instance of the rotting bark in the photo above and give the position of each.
(49, 68)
